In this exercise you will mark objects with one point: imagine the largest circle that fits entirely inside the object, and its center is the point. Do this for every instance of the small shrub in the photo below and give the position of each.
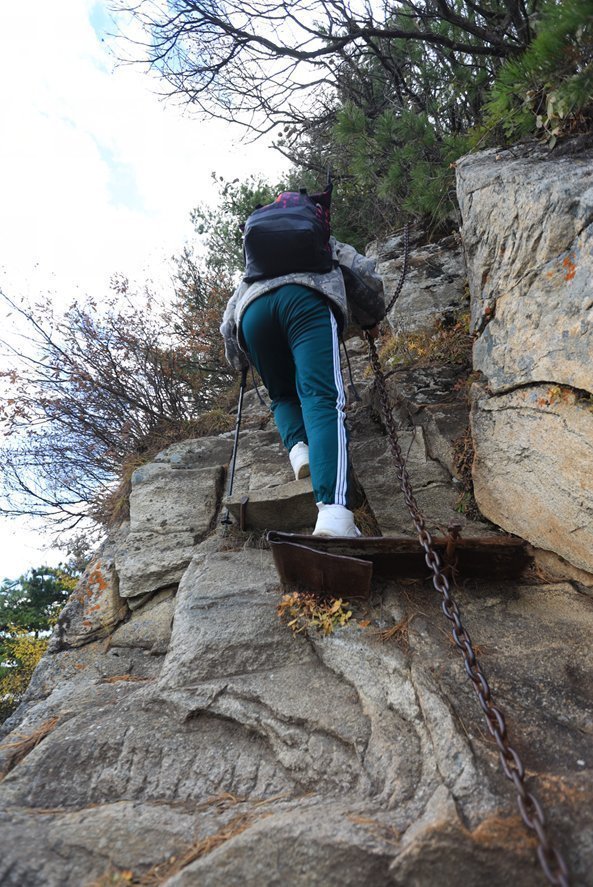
(448, 342)
(22, 651)
(463, 457)
(303, 611)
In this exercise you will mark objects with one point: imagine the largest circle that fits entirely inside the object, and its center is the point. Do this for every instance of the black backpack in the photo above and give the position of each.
(289, 235)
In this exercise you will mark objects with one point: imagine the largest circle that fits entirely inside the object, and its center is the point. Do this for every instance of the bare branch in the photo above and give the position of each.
(245, 61)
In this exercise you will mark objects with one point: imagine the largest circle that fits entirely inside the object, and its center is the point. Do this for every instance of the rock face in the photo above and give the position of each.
(527, 233)
(533, 468)
(434, 286)
(95, 608)
(528, 239)
(160, 543)
(202, 742)
(235, 752)
(264, 475)
(179, 733)
(426, 441)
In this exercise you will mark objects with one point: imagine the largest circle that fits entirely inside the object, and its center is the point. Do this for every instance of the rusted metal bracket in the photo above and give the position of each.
(450, 559)
(343, 567)
(324, 574)
(243, 513)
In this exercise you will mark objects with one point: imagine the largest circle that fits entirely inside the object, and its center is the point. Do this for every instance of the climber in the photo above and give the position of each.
(288, 326)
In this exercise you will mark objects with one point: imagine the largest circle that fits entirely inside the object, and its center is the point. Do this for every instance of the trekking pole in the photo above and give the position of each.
(226, 518)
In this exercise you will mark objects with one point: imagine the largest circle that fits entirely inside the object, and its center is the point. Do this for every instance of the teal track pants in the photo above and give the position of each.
(291, 335)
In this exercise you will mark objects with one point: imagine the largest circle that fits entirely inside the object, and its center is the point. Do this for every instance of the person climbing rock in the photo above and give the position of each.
(289, 327)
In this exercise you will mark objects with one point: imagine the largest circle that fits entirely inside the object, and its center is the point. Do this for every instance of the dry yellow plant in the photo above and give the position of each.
(302, 611)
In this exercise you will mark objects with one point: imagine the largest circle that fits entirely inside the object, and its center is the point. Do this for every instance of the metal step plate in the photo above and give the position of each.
(343, 567)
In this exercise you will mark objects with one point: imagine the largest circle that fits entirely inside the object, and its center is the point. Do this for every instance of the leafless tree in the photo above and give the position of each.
(279, 63)
(86, 392)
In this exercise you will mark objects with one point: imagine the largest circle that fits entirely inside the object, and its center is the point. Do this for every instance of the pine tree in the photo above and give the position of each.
(549, 88)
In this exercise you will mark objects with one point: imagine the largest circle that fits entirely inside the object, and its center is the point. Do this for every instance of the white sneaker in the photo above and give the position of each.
(299, 459)
(335, 520)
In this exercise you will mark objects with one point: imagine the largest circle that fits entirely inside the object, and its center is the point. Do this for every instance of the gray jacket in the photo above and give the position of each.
(354, 287)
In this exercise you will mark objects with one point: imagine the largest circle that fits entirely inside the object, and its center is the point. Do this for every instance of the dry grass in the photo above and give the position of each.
(366, 521)
(463, 457)
(21, 747)
(112, 507)
(132, 678)
(449, 342)
(161, 872)
(215, 421)
(400, 632)
(234, 539)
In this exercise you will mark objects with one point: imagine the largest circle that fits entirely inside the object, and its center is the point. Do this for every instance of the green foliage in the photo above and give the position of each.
(401, 123)
(400, 158)
(20, 651)
(220, 226)
(29, 607)
(389, 95)
(394, 138)
(33, 601)
(549, 88)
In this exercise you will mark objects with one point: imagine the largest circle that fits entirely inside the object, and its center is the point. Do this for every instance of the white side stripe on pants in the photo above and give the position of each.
(342, 466)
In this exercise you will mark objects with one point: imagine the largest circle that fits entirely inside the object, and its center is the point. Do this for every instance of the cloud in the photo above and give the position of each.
(97, 174)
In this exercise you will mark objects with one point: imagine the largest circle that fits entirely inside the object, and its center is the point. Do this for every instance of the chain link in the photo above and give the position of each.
(551, 862)
(398, 288)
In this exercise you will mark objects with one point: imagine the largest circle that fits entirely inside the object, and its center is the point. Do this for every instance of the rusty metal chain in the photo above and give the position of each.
(552, 863)
(400, 283)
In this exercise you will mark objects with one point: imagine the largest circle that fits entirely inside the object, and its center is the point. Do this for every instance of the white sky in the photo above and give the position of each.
(97, 174)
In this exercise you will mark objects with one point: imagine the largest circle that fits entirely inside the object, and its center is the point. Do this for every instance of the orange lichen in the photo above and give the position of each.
(556, 394)
(97, 581)
(507, 832)
(570, 268)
